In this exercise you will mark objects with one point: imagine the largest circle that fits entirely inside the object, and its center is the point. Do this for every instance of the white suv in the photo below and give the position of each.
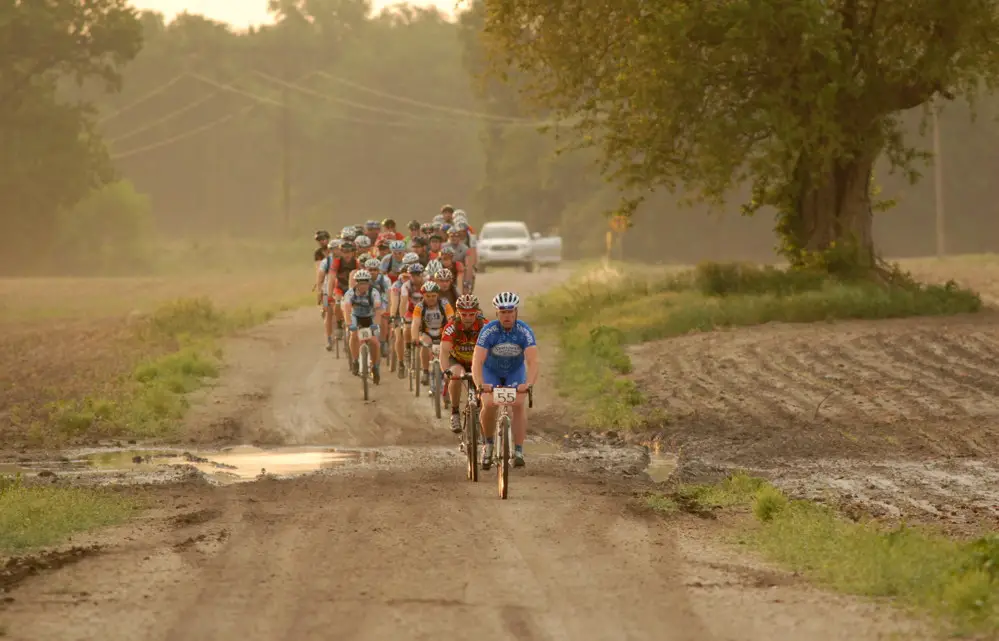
(505, 244)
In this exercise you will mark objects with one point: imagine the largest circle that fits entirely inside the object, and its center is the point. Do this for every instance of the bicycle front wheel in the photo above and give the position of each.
(503, 469)
(435, 387)
(364, 368)
(472, 442)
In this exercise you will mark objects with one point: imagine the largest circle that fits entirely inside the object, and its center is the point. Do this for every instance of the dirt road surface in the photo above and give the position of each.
(404, 547)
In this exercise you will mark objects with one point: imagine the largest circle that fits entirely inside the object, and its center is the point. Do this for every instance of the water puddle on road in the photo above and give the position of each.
(244, 463)
(661, 466)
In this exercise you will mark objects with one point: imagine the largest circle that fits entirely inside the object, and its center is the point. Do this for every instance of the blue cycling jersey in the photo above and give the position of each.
(506, 347)
(363, 305)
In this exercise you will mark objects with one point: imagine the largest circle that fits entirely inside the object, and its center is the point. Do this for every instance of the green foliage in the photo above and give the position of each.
(154, 396)
(798, 100)
(50, 156)
(36, 516)
(108, 232)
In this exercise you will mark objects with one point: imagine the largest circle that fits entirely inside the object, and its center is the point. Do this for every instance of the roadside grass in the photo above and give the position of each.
(957, 581)
(37, 516)
(148, 402)
(599, 312)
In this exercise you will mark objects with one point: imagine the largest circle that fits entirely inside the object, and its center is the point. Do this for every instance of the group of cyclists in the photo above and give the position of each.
(417, 291)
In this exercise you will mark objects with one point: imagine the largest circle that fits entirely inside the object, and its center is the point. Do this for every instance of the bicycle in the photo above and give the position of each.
(504, 398)
(364, 334)
(436, 378)
(414, 368)
(468, 438)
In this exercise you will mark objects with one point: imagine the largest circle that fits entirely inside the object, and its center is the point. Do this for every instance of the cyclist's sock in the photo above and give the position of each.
(427, 372)
(454, 409)
(518, 448)
(489, 441)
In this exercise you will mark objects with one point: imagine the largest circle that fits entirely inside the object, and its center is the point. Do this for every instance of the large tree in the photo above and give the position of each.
(797, 98)
(50, 156)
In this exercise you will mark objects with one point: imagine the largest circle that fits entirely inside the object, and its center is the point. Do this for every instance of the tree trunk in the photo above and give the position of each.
(834, 212)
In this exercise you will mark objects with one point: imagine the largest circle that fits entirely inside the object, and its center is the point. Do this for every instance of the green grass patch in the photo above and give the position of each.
(955, 580)
(36, 516)
(598, 313)
(153, 397)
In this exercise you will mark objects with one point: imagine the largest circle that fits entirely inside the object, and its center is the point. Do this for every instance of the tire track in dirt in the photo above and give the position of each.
(864, 388)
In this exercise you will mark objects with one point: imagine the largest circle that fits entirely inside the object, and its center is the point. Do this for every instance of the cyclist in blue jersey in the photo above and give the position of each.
(506, 355)
(362, 305)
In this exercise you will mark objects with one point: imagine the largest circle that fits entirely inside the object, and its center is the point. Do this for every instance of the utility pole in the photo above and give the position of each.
(286, 158)
(286, 130)
(938, 182)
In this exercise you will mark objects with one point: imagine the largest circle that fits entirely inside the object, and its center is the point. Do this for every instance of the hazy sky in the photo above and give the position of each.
(242, 13)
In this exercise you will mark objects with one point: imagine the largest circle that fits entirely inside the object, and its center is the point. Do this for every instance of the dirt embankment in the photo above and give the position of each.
(406, 548)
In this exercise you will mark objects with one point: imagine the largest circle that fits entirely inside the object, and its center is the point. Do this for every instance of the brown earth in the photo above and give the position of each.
(897, 419)
(407, 549)
(63, 339)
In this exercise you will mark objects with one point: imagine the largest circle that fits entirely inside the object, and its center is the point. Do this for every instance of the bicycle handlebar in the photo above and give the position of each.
(530, 390)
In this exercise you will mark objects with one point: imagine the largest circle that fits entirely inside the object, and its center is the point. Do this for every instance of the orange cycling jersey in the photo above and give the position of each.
(463, 340)
(433, 319)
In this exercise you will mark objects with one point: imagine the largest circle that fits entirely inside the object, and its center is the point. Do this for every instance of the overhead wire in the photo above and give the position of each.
(145, 97)
(166, 118)
(277, 103)
(419, 103)
(414, 120)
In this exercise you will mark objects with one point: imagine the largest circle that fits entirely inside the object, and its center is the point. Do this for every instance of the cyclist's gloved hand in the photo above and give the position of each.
(353, 328)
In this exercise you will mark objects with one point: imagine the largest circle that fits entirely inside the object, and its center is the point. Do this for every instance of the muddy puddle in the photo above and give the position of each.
(243, 463)
(661, 466)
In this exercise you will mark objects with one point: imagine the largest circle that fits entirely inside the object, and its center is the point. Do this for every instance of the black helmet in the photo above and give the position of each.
(419, 242)
(447, 209)
(389, 222)
(414, 224)
(348, 247)
(322, 234)
(437, 236)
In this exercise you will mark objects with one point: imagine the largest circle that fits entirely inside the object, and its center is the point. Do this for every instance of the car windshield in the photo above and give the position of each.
(502, 232)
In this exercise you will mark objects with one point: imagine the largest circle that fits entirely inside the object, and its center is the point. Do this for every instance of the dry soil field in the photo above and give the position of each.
(63, 338)
(900, 417)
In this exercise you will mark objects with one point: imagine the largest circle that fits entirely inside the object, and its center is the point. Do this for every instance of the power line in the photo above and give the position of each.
(344, 101)
(182, 136)
(166, 118)
(152, 94)
(277, 103)
(258, 100)
(426, 105)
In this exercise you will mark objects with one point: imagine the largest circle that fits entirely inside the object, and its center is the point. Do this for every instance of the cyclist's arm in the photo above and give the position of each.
(478, 364)
(414, 328)
(320, 277)
(348, 310)
(531, 357)
(378, 308)
(445, 355)
(393, 303)
(448, 311)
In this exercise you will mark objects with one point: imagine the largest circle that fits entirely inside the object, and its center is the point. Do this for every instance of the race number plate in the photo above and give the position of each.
(364, 333)
(505, 395)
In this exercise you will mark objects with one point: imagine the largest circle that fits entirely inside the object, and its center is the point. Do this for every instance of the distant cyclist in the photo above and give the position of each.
(362, 305)
(392, 264)
(429, 317)
(506, 355)
(388, 229)
(458, 344)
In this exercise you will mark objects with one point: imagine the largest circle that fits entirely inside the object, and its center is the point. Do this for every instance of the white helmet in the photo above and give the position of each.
(362, 276)
(506, 300)
(333, 244)
(373, 263)
(397, 245)
(434, 266)
(362, 242)
(444, 274)
(410, 258)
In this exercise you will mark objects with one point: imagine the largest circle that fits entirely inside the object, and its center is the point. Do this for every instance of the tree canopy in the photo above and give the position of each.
(799, 99)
